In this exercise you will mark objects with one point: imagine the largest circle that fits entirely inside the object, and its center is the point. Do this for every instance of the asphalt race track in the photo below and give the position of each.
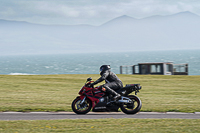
(94, 115)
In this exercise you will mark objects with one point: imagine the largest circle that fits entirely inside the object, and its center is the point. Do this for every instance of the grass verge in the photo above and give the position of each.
(103, 125)
(160, 93)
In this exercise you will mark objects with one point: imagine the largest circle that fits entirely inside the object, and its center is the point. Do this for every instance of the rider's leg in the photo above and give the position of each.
(111, 91)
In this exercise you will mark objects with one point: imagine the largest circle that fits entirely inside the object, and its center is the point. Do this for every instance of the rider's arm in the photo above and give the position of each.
(103, 77)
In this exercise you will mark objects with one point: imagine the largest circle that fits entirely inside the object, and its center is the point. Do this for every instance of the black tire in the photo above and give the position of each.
(81, 109)
(134, 107)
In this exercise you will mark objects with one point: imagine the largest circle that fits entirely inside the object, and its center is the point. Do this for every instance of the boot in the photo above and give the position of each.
(116, 97)
(114, 93)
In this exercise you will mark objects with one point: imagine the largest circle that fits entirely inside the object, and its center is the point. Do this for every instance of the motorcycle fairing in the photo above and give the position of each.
(93, 96)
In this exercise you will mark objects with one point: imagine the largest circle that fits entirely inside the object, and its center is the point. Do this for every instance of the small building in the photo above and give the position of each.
(159, 68)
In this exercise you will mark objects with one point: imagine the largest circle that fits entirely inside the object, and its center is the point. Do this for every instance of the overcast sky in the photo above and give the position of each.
(93, 12)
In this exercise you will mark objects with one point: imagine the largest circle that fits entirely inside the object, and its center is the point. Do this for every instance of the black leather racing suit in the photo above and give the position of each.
(112, 81)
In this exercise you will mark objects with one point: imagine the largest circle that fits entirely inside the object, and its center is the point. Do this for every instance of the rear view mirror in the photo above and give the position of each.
(89, 79)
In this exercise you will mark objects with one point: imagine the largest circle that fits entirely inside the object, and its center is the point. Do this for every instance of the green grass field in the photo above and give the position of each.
(103, 126)
(56, 92)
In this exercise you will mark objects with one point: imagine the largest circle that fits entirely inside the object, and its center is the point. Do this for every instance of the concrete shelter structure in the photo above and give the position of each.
(155, 68)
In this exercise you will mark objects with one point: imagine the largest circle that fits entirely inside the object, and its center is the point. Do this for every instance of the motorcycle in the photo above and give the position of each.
(100, 101)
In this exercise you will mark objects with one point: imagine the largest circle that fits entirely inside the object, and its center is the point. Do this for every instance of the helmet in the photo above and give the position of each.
(104, 68)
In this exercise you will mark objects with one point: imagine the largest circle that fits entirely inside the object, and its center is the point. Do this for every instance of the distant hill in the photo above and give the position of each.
(124, 33)
(122, 20)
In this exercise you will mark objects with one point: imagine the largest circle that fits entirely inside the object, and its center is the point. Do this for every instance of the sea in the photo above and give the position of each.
(89, 63)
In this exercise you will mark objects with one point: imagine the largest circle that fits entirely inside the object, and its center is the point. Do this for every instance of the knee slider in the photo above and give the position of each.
(103, 88)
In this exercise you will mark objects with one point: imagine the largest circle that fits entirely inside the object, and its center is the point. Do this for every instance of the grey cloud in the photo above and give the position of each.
(93, 12)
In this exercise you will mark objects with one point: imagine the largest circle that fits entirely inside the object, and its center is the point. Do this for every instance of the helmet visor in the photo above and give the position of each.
(101, 69)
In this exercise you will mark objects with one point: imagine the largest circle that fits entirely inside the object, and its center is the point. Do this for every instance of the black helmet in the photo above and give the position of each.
(104, 68)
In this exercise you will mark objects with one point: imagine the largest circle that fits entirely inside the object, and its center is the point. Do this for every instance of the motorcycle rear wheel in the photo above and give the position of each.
(132, 108)
(81, 108)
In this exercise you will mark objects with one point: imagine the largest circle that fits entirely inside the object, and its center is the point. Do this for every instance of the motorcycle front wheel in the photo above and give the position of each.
(132, 108)
(83, 108)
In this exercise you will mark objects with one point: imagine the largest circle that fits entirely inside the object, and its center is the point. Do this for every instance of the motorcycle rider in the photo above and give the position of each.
(112, 81)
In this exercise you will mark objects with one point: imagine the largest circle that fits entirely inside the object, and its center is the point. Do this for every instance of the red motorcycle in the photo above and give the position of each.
(99, 101)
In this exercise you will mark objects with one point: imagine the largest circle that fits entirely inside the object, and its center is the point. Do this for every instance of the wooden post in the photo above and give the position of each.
(186, 69)
(133, 69)
(120, 69)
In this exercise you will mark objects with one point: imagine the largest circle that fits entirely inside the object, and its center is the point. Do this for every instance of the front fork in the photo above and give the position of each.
(83, 100)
